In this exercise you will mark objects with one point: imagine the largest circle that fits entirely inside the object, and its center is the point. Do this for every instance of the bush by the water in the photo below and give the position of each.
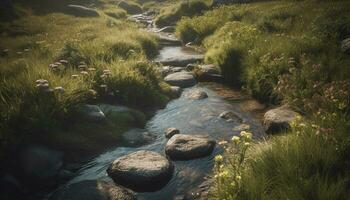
(169, 15)
(130, 7)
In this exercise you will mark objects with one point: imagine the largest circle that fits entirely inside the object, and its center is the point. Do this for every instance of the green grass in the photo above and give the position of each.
(283, 52)
(252, 43)
(308, 163)
(170, 14)
(130, 7)
(115, 52)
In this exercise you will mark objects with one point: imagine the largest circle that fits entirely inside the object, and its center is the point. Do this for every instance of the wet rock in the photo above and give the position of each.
(185, 147)
(230, 116)
(167, 29)
(181, 79)
(177, 69)
(345, 46)
(141, 171)
(209, 73)
(170, 132)
(175, 91)
(137, 137)
(196, 95)
(81, 11)
(40, 163)
(182, 61)
(165, 40)
(92, 190)
(166, 70)
(278, 120)
(92, 113)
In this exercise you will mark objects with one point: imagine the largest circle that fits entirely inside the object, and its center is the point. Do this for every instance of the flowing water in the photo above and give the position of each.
(190, 117)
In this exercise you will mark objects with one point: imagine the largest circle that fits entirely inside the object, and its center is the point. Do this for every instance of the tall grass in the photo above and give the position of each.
(169, 15)
(107, 62)
(283, 52)
(310, 163)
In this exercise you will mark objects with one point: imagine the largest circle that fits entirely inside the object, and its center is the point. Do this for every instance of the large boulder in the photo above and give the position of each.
(196, 95)
(181, 79)
(185, 147)
(141, 171)
(137, 137)
(81, 11)
(278, 120)
(40, 163)
(92, 190)
(345, 46)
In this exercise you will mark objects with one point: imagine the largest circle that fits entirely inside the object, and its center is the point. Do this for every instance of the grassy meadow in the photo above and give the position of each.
(283, 52)
(103, 60)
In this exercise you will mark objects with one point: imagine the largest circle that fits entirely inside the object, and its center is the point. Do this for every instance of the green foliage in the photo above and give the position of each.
(115, 13)
(174, 12)
(310, 163)
(33, 111)
(279, 32)
(130, 7)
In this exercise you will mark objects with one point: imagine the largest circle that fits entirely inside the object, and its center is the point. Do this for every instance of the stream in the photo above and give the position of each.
(200, 117)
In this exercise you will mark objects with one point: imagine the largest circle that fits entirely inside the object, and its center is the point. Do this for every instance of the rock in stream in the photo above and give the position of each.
(141, 171)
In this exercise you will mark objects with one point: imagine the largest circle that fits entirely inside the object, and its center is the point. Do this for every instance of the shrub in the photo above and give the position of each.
(171, 14)
(130, 7)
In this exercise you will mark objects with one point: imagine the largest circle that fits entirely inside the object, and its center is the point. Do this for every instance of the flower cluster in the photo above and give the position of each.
(58, 66)
(228, 170)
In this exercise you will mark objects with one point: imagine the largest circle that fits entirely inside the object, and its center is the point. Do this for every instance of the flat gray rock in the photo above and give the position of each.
(141, 171)
(182, 61)
(181, 79)
(92, 190)
(81, 11)
(278, 120)
(209, 73)
(196, 95)
(185, 147)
